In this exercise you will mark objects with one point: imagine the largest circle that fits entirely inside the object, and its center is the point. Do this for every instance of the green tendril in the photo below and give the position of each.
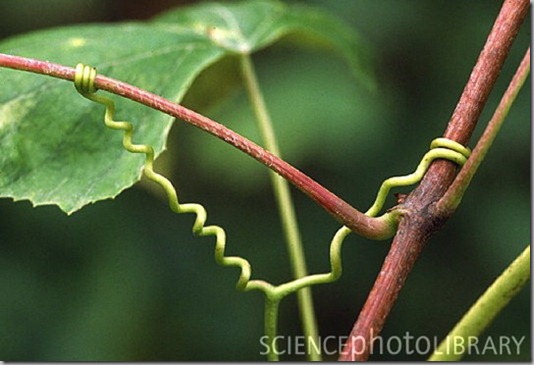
(439, 148)
(84, 81)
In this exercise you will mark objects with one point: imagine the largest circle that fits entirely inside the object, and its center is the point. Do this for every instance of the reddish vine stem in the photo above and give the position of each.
(454, 194)
(374, 228)
(421, 218)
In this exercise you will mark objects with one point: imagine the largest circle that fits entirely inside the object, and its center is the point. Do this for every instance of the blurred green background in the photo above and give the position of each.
(126, 280)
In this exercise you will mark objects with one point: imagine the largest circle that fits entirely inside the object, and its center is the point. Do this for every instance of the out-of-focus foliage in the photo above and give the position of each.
(125, 280)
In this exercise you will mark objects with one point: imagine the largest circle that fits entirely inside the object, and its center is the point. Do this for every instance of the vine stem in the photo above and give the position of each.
(286, 207)
(486, 308)
(374, 228)
(421, 217)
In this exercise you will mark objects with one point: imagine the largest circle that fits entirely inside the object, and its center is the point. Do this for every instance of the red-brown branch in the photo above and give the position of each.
(374, 228)
(421, 219)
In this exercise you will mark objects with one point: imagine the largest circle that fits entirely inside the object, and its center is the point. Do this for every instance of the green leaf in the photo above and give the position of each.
(249, 26)
(56, 149)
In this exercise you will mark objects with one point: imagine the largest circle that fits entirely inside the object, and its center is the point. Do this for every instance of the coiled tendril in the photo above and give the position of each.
(84, 81)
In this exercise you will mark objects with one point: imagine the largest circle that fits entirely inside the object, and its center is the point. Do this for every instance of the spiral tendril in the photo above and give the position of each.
(84, 82)
(443, 148)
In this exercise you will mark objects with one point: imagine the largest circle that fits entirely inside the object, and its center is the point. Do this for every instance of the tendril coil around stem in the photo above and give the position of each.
(84, 82)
